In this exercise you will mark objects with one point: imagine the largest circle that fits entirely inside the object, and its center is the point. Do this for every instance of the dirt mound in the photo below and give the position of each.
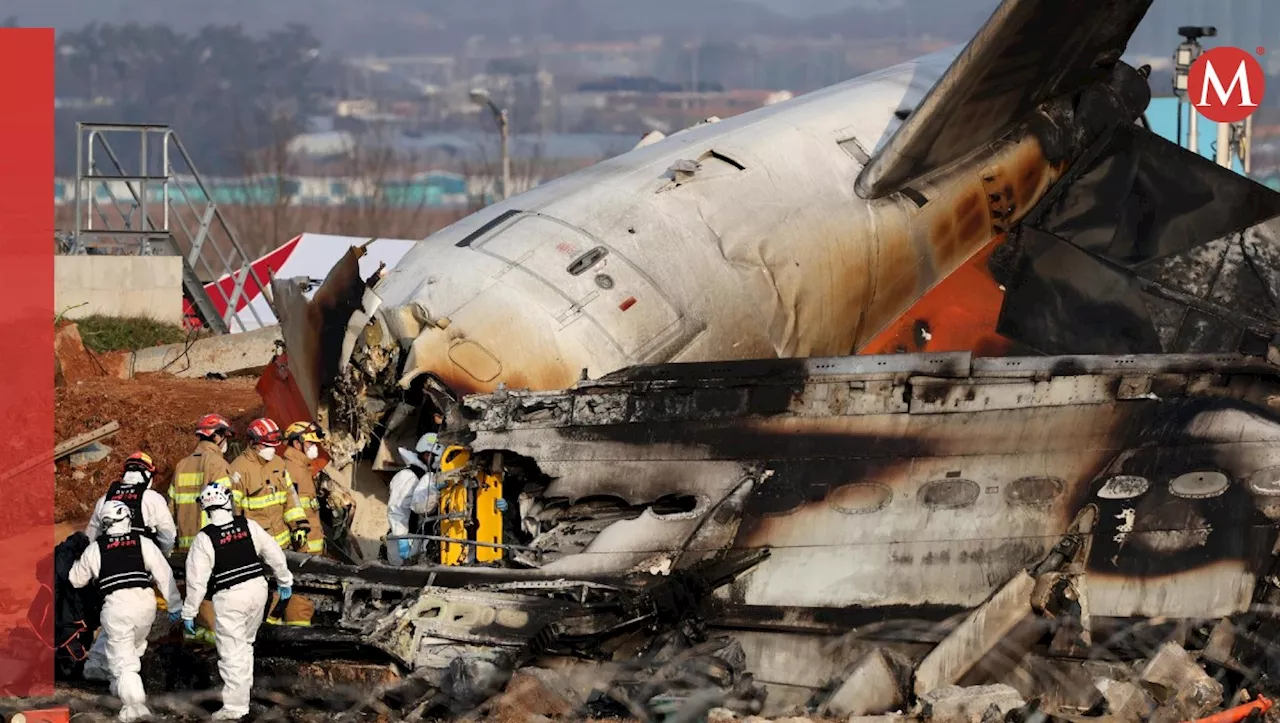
(156, 415)
(73, 361)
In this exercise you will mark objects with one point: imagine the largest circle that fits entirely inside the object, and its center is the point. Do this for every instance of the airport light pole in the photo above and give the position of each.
(481, 97)
(1185, 55)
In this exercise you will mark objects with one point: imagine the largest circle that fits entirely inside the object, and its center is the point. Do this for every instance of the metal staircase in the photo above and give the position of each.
(161, 207)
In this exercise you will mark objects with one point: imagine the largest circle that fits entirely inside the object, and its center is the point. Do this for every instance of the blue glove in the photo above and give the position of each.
(501, 504)
(175, 616)
(285, 592)
(405, 549)
(189, 627)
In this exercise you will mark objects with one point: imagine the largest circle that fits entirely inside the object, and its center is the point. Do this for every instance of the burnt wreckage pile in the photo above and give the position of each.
(933, 534)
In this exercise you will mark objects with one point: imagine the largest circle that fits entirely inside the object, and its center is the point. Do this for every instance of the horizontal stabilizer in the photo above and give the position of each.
(1090, 269)
(1145, 198)
(1029, 51)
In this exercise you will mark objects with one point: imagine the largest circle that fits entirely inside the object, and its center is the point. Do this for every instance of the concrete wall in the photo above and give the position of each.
(230, 354)
(119, 286)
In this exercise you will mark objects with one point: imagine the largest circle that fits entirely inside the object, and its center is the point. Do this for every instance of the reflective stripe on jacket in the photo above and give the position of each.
(299, 468)
(190, 475)
(263, 492)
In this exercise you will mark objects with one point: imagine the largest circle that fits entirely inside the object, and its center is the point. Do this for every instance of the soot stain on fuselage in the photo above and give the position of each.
(1172, 534)
(1158, 533)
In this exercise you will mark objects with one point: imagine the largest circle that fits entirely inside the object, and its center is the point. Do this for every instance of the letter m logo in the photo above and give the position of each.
(1229, 102)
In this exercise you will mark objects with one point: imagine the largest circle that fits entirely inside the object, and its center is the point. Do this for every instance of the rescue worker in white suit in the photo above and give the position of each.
(126, 565)
(150, 514)
(226, 560)
(412, 491)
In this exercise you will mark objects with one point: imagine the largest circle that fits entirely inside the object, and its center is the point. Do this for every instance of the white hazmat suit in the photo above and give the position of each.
(238, 610)
(129, 612)
(155, 515)
(412, 490)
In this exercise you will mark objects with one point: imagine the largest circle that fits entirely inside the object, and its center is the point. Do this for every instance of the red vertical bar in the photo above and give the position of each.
(26, 372)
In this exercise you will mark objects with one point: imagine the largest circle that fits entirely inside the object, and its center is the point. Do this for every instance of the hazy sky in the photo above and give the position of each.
(402, 26)
(811, 8)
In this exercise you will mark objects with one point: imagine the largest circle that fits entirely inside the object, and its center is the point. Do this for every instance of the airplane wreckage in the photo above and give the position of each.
(894, 386)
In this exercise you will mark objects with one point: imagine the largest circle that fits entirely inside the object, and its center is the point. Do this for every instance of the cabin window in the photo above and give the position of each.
(1124, 487)
(1199, 485)
(860, 498)
(1034, 491)
(949, 494)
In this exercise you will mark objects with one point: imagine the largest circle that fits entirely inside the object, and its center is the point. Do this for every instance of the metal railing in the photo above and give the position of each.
(115, 208)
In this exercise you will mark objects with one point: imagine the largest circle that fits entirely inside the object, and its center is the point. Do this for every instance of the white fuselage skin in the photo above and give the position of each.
(777, 259)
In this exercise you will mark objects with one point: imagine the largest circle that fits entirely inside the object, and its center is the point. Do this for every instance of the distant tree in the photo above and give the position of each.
(382, 199)
(271, 221)
(386, 200)
(213, 86)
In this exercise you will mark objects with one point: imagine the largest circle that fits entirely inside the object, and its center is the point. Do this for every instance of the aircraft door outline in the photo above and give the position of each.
(573, 275)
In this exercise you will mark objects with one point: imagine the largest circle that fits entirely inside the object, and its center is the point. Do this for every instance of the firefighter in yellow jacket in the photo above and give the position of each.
(206, 464)
(302, 440)
(262, 490)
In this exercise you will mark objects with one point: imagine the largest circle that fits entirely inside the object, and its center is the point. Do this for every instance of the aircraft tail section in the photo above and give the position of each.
(1028, 52)
(1131, 252)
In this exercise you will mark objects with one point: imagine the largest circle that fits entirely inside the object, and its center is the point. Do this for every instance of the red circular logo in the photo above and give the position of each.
(1225, 85)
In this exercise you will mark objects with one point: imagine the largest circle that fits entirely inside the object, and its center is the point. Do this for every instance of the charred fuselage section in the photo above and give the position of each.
(923, 479)
(784, 506)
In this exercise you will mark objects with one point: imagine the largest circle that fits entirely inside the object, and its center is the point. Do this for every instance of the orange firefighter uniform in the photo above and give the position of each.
(262, 490)
(204, 465)
(201, 467)
(299, 468)
(304, 445)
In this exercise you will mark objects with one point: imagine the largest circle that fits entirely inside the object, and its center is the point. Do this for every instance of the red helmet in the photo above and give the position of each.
(142, 461)
(265, 431)
(211, 424)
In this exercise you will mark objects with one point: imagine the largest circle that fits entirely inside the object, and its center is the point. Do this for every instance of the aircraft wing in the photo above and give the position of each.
(1027, 52)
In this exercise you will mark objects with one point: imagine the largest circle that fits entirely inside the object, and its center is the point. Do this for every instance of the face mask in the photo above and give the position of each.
(223, 446)
(267, 453)
(134, 477)
(312, 451)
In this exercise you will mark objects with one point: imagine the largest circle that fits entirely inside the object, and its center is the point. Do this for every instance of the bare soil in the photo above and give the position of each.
(156, 414)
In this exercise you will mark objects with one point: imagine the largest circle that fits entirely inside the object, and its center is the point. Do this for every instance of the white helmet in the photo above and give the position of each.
(214, 497)
(430, 445)
(117, 518)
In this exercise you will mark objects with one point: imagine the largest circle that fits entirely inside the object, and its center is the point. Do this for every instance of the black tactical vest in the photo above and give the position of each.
(235, 559)
(131, 495)
(123, 566)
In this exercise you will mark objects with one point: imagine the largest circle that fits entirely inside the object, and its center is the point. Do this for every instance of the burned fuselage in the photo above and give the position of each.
(738, 239)
(810, 512)
(590, 343)
(804, 229)
(903, 481)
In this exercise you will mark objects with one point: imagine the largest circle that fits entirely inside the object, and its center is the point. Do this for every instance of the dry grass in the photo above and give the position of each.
(123, 333)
